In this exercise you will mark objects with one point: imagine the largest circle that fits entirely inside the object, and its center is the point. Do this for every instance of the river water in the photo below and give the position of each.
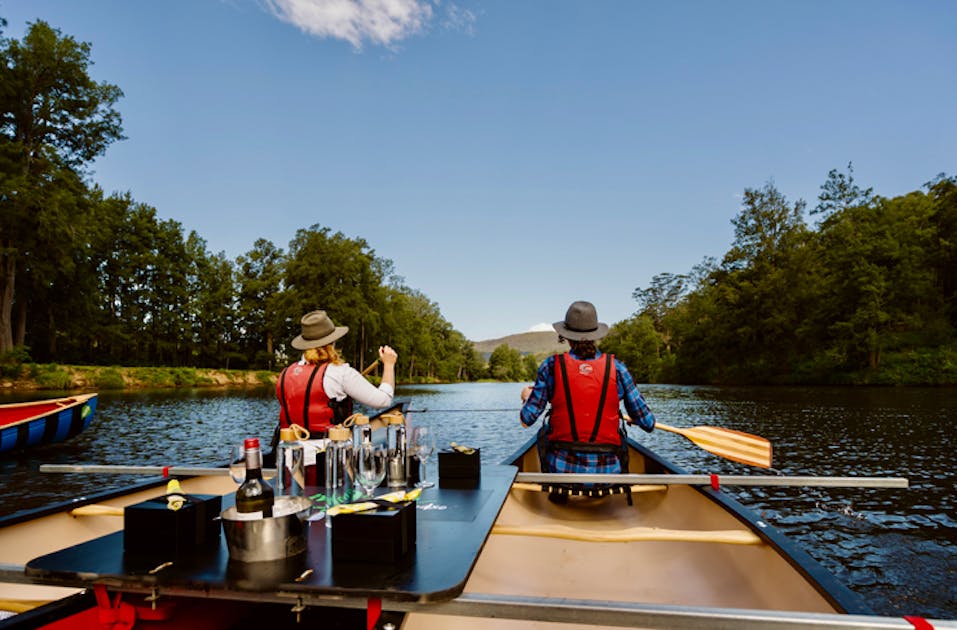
(895, 547)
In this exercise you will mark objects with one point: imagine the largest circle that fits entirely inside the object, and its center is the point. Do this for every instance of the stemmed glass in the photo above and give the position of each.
(423, 445)
(237, 463)
(368, 461)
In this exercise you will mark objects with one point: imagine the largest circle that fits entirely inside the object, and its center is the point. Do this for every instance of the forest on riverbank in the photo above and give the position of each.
(864, 295)
(867, 295)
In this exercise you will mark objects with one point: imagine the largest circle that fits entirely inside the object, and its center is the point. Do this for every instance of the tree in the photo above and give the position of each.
(341, 275)
(54, 119)
(505, 364)
(943, 190)
(658, 300)
(759, 302)
(840, 192)
(212, 307)
(259, 283)
(637, 344)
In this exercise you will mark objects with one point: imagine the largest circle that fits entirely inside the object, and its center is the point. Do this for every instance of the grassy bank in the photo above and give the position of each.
(34, 376)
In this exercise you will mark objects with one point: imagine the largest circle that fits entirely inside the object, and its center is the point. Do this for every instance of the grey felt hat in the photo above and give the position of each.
(317, 331)
(581, 323)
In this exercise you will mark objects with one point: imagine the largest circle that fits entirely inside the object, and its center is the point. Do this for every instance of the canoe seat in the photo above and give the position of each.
(588, 490)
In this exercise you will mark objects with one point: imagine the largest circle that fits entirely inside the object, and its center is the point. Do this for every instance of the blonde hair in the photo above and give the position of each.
(324, 354)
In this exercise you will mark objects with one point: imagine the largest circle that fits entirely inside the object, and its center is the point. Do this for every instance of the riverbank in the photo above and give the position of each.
(33, 376)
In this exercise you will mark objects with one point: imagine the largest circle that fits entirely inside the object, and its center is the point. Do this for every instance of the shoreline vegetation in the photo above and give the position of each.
(38, 377)
(76, 378)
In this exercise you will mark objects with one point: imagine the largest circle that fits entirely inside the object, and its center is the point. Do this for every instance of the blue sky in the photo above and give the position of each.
(511, 157)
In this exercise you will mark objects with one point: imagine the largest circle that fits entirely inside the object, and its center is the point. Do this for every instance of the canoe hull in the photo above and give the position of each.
(28, 425)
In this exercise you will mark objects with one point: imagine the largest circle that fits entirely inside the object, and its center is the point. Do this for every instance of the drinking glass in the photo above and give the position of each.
(368, 462)
(237, 463)
(423, 445)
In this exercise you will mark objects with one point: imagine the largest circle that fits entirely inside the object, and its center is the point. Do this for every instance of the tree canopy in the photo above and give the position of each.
(867, 297)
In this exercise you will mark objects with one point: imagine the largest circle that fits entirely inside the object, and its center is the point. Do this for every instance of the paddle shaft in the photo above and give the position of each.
(370, 367)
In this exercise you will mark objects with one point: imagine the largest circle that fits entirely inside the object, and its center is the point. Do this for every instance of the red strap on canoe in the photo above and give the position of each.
(117, 615)
(918, 622)
(373, 611)
(165, 471)
(120, 615)
(714, 483)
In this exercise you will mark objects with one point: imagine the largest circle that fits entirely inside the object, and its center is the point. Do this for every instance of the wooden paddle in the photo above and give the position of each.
(369, 368)
(737, 446)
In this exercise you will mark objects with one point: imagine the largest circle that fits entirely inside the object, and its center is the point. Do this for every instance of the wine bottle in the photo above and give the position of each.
(255, 497)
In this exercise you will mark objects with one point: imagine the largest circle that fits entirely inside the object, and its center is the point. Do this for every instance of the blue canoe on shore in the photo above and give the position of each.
(36, 423)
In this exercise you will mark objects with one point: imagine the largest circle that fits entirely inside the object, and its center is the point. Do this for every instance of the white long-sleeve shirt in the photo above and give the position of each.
(343, 380)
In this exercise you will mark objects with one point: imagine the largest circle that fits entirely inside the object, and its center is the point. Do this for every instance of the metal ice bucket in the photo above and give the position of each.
(282, 535)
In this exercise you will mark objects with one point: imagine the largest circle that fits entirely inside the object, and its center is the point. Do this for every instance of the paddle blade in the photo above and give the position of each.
(737, 446)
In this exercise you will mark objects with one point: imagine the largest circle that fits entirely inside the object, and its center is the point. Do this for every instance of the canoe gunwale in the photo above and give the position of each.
(70, 504)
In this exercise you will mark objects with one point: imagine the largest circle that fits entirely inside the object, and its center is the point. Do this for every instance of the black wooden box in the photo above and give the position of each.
(460, 470)
(151, 527)
(382, 535)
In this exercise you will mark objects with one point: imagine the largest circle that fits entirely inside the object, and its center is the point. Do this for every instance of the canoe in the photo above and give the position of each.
(40, 422)
(675, 556)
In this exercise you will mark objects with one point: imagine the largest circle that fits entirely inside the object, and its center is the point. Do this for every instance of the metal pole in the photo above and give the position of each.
(724, 480)
(166, 471)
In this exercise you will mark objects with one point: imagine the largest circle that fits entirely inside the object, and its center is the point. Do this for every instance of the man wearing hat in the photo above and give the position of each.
(318, 391)
(584, 433)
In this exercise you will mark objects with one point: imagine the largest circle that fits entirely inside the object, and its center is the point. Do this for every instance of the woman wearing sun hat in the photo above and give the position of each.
(583, 433)
(318, 391)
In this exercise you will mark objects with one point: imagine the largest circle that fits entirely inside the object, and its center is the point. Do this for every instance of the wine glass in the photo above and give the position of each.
(237, 463)
(368, 462)
(423, 445)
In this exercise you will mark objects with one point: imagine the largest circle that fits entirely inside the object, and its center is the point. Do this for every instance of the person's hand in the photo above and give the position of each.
(526, 392)
(387, 355)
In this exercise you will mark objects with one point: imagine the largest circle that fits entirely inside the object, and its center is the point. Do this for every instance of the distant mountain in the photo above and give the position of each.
(537, 343)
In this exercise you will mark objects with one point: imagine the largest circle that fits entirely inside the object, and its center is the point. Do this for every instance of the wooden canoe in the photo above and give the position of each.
(37, 423)
(678, 556)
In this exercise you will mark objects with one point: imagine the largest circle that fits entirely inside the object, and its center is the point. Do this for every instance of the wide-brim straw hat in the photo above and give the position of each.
(317, 331)
(581, 323)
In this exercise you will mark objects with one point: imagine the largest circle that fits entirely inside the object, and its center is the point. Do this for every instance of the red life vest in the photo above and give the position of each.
(585, 402)
(302, 399)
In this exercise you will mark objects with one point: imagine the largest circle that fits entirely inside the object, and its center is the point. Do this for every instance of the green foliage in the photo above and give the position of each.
(54, 119)
(109, 378)
(506, 364)
(12, 361)
(868, 298)
(52, 376)
(637, 344)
